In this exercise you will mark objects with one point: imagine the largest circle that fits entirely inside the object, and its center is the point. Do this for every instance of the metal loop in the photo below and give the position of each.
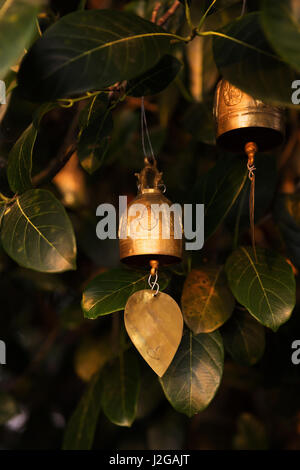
(153, 284)
(251, 169)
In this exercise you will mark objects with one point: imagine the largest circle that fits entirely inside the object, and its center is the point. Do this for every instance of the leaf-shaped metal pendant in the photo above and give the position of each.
(154, 324)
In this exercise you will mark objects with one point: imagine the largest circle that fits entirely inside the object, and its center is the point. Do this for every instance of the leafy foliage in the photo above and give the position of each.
(120, 389)
(73, 104)
(240, 63)
(84, 51)
(244, 338)
(109, 292)
(13, 40)
(266, 286)
(195, 374)
(37, 233)
(206, 299)
(80, 431)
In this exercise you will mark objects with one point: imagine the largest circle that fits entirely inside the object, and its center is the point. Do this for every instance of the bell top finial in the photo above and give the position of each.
(149, 177)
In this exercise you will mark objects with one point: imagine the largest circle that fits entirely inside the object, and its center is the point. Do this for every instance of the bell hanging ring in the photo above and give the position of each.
(240, 118)
(150, 230)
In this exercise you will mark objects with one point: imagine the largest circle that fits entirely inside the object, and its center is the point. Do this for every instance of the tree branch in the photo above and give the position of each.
(155, 11)
(168, 13)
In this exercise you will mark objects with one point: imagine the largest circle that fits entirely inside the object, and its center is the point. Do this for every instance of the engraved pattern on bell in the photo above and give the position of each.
(154, 324)
(240, 118)
(152, 227)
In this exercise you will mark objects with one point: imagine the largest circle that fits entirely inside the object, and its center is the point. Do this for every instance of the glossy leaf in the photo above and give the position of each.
(80, 430)
(88, 50)
(94, 138)
(109, 292)
(17, 28)
(155, 80)
(206, 301)
(195, 373)
(20, 157)
(286, 214)
(255, 69)
(244, 338)
(281, 23)
(20, 161)
(218, 190)
(120, 389)
(37, 233)
(266, 288)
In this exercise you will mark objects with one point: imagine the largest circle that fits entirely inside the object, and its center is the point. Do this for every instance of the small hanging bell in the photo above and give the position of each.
(240, 119)
(149, 230)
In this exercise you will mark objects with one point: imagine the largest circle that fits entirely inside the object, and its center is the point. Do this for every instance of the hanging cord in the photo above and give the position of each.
(251, 149)
(154, 273)
(144, 128)
(244, 7)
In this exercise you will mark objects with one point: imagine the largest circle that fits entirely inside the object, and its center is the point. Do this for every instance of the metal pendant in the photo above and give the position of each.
(154, 324)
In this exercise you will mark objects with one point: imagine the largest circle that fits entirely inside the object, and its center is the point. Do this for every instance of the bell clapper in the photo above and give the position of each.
(153, 273)
(251, 150)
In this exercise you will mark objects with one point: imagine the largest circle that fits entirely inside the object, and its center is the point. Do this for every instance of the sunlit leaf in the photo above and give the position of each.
(120, 389)
(266, 287)
(195, 373)
(37, 233)
(206, 301)
(109, 292)
(88, 50)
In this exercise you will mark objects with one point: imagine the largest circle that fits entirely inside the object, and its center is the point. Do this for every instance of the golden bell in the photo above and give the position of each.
(240, 118)
(150, 230)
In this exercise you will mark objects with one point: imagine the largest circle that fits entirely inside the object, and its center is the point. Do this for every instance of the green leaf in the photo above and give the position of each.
(20, 161)
(287, 216)
(120, 389)
(244, 338)
(266, 288)
(109, 292)
(8, 407)
(80, 430)
(90, 50)
(17, 28)
(20, 157)
(206, 299)
(251, 65)
(94, 138)
(195, 373)
(155, 80)
(37, 233)
(219, 188)
(281, 23)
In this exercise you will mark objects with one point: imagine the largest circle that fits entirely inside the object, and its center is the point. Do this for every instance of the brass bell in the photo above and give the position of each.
(240, 119)
(143, 234)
